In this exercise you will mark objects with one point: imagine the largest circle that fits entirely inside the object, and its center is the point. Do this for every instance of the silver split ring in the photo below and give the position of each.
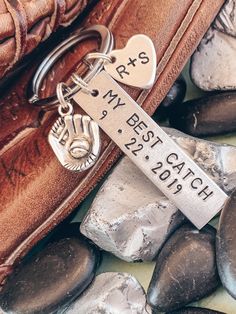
(98, 55)
(107, 43)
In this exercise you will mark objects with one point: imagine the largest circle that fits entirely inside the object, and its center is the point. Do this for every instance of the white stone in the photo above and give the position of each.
(226, 19)
(130, 217)
(216, 159)
(112, 293)
(213, 64)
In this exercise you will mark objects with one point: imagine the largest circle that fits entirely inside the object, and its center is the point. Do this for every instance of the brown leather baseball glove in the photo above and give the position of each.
(26, 23)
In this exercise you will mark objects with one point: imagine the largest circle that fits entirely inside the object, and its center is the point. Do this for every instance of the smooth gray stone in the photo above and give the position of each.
(112, 293)
(213, 64)
(185, 269)
(226, 246)
(226, 19)
(209, 115)
(174, 97)
(132, 219)
(52, 278)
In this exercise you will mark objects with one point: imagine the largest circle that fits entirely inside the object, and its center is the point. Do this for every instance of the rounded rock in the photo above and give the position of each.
(174, 98)
(212, 65)
(226, 246)
(185, 269)
(210, 115)
(53, 277)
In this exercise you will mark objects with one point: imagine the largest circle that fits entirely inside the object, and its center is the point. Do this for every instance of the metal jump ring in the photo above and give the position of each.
(66, 111)
(81, 83)
(65, 107)
(106, 46)
(61, 89)
(98, 55)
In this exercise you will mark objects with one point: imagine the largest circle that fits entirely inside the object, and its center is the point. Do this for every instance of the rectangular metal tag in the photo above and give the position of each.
(152, 150)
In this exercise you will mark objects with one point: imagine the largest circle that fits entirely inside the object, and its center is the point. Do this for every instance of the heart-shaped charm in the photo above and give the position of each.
(135, 64)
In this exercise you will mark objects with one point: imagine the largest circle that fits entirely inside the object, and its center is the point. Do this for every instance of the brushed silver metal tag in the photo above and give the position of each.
(135, 64)
(152, 150)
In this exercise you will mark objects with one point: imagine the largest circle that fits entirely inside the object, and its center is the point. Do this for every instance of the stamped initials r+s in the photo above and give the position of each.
(132, 62)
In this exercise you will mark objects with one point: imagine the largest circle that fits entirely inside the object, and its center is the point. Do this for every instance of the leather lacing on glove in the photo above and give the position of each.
(24, 24)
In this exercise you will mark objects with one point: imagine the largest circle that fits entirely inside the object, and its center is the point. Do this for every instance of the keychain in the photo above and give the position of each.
(129, 126)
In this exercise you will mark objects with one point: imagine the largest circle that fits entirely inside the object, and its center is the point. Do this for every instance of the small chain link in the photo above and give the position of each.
(65, 107)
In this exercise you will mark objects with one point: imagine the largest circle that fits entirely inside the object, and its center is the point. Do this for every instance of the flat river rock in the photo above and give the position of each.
(185, 269)
(226, 246)
(212, 114)
(52, 278)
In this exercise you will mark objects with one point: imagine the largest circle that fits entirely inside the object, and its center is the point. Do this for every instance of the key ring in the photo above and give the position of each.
(107, 43)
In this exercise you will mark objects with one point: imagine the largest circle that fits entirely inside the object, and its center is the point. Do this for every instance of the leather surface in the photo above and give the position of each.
(36, 192)
(26, 23)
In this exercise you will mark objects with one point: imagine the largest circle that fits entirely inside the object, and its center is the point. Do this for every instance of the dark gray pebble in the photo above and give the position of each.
(210, 115)
(174, 98)
(52, 278)
(185, 269)
(195, 310)
(226, 246)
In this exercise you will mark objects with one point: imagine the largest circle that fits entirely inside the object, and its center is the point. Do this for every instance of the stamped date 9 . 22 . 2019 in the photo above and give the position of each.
(169, 168)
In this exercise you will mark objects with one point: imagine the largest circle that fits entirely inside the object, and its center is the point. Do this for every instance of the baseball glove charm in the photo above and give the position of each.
(76, 142)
